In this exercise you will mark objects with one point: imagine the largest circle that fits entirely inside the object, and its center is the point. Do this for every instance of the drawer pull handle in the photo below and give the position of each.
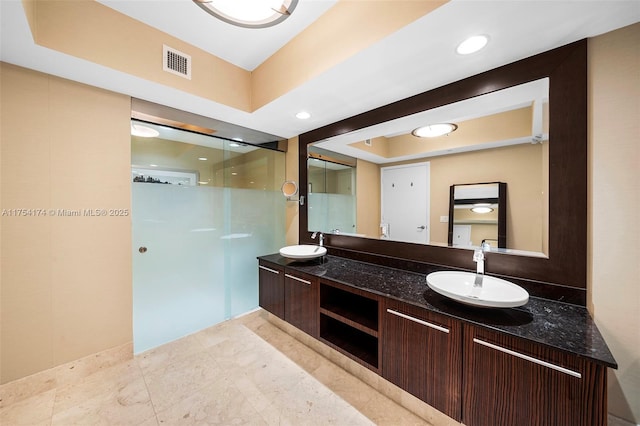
(298, 279)
(268, 269)
(528, 358)
(419, 321)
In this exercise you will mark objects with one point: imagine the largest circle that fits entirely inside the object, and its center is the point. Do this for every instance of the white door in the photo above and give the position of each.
(462, 235)
(405, 202)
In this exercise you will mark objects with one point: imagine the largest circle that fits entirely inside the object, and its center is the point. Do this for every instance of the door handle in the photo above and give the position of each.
(142, 249)
(422, 227)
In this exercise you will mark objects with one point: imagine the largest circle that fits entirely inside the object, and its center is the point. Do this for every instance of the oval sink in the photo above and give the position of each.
(303, 251)
(494, 293)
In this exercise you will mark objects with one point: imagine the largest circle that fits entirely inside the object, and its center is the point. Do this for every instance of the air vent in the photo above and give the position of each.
(176, 62)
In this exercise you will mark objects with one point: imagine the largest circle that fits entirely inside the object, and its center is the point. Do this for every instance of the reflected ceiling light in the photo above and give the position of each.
(143, 131)
(472, 44)
(234, 145)
(249, 13)
(481, 208)
(303, 115)
(202, 158)
(434, 130)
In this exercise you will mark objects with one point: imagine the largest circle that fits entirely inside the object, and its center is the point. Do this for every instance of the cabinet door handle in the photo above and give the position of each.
(298, 279)
(419, 321)
(268, 269)
(528, 358)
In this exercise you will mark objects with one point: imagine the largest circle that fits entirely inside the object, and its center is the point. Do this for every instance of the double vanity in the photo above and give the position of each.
(543, 363)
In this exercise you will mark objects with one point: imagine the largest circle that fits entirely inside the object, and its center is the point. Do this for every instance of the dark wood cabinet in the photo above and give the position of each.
(422, 354)
(475, 374)
(271, 288)
(301, 301)
(510, 381)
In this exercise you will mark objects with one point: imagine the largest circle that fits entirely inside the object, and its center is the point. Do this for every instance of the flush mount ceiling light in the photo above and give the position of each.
(249, 13)
(434, 130)
(472, 44)
(143, 131)
(481, 208)
(303, 115)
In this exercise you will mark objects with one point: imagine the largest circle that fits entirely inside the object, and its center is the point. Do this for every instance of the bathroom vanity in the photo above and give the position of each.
(544, 363)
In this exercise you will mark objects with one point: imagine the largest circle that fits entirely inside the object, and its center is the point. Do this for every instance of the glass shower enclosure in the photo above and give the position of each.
(203, 208)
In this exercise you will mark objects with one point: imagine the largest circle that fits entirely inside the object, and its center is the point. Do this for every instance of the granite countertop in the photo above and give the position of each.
(558, 325)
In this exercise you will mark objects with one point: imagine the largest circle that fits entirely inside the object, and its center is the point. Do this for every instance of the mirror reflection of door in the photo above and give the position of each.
(405, 203)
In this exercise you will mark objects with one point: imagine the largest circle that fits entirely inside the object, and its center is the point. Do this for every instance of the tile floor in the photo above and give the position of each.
(238, 372)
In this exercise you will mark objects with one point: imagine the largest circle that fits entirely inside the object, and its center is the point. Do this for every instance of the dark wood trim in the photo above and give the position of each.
(566, 265)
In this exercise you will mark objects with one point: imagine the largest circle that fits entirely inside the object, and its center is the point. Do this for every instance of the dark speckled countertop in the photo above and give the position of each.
(559, 325)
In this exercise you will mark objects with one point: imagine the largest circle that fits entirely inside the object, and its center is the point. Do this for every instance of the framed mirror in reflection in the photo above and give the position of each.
(401, 178)
(478, 216)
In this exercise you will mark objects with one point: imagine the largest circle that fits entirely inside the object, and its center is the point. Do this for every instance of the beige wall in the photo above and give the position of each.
(368, 199)
(614, 208)
(65, 281)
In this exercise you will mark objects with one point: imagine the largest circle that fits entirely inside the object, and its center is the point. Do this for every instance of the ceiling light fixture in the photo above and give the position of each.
(202, 158)
(143, 131)
(249, 13)
(472, 44)
(303, 115)
(481, 208)
(434, 130)
(234, 145)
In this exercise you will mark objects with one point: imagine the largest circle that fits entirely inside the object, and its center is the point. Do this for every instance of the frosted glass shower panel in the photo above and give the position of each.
(203, 209)
(179, 280)
(331, 212)
(256, 226)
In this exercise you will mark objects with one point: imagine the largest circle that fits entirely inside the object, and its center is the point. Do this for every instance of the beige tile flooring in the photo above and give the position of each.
(243, 371)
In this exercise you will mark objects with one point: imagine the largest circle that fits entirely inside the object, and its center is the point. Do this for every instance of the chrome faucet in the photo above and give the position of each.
(321, 240)
(478, 257)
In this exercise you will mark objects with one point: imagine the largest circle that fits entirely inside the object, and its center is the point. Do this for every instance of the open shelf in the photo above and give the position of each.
(359, 345)
(358, 311)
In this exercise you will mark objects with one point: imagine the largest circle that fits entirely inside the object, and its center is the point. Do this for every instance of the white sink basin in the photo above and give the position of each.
(494, 293)
(303, 251)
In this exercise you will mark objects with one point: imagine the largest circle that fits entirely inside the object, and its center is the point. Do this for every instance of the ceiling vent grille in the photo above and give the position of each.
(176, 62)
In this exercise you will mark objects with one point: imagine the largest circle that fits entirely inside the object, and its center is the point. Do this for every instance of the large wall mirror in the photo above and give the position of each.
(546, 91)
(401, 190)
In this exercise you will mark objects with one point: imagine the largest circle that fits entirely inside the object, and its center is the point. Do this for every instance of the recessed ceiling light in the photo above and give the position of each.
(143, 131)
(303, 115)
(434, 130)
(472, 44)
(234, 145)
(249, 13)
(202, 158)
